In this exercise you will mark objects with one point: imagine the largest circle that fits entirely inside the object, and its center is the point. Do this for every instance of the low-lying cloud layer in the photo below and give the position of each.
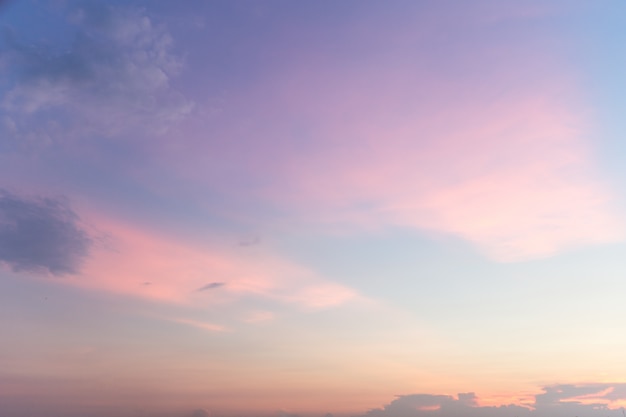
(557, 400)
(40, 234)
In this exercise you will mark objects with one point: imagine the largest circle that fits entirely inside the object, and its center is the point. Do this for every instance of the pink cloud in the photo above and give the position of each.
(516, 181)
(211, 327)
(136, 262)
(507, 167)
(444, 128)
(259, 317)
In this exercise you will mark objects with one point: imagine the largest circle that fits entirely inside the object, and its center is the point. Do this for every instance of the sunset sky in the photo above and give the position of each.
(277, 208)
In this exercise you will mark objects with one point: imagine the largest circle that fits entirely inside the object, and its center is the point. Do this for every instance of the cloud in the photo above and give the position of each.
(259, 317)
(211, 327)
(418, 405)
(112, 78)
(490, 142)
(255, 240)
(200, 412)
(40, 234)
(588, 395)
(556, 400)
(514, 177)
(284, 413)
(177, 271)
(210, 286)
(554, 394)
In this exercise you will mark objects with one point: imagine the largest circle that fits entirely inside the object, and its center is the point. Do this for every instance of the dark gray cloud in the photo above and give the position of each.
(210, 286)
(111, 78)
(40, 234)
(555, 401)
(556, 393)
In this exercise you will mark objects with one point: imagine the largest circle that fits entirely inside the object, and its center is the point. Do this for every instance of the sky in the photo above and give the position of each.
(313, 208)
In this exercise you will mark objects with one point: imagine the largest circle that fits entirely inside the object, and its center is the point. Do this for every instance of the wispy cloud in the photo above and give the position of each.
(252, 241)
(499, 155)
(259, 317)
(211, 327)
(177, 272)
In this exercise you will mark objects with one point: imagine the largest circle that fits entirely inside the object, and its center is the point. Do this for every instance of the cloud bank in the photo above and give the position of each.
(555, 401)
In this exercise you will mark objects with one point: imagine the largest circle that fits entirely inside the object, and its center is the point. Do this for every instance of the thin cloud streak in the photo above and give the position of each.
(211, 327)
(211, 286)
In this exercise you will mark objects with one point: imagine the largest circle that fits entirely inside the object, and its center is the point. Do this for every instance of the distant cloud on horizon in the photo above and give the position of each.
(565, 400)
(200, 412)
